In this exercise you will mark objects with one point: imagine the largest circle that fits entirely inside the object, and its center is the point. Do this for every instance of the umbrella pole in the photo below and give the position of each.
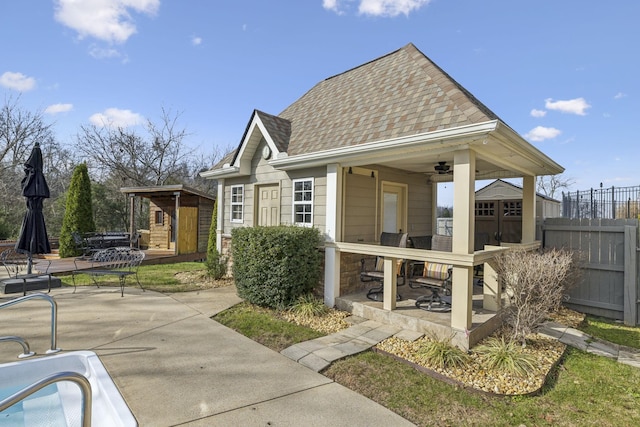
(29, 263)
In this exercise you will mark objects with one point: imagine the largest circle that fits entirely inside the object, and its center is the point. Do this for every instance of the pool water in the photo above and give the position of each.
(60, 404)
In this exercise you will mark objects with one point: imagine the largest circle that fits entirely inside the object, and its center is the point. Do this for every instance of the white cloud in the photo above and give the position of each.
(538, 113)
(390, 7)
(17, 81)
(331, 5)
(571, 106)
(540, 133)
(115, 117)
(196, 40)
(107, 20)
(384, 8)
(103, 53)
(620, 95)
(58, 108)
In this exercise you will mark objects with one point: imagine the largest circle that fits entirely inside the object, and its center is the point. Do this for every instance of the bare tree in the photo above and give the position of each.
(551, 184)
(537, 283)
(20, 130)
(156, 158)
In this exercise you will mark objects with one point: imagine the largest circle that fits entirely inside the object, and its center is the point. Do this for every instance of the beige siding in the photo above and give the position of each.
(359, 207)
(205, 210)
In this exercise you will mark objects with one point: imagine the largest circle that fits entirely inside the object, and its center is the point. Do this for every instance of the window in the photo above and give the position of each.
(159, 217)
(485, 209)
(237, 203)
(303, 202)
(512, 208)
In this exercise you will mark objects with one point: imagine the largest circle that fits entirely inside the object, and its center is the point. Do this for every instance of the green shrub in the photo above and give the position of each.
(78, 214)
(440, 353)
(309, 306)
(216, 265)
(273, 266)
(506, 355)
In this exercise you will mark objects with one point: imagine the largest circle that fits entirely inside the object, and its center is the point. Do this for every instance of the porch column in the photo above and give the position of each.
(528, 209)
(132, 216)
(390, 282)
(492, 293)
(333, 233)
(220, 215)
(176, 229)
(464, 174)
(434, 208)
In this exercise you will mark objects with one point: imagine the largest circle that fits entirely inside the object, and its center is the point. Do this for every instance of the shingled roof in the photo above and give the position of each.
(399, 95)
(402, 93)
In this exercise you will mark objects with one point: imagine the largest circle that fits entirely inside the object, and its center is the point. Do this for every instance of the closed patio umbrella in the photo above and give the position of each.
(33, 234)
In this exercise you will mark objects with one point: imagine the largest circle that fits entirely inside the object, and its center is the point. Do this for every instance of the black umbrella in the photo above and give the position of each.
(33, 234)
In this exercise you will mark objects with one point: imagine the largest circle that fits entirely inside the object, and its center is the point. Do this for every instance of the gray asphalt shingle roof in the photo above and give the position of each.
(400, 94)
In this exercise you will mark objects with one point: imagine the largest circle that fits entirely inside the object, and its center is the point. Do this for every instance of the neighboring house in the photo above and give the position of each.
(179, 217)
(499, 212)
(361, 153)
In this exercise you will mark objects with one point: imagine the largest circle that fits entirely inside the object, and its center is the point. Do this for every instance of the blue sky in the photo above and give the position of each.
(564, 74)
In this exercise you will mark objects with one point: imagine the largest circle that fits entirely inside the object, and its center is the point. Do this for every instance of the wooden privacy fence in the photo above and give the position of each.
(609, 283)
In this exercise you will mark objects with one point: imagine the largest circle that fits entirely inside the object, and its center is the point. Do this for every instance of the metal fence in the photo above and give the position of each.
(602, 203)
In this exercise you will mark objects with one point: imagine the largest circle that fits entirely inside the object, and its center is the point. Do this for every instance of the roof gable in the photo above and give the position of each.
(505, 189)
(400, 94)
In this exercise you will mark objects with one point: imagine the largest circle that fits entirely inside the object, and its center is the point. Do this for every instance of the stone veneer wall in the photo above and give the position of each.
(350, 273)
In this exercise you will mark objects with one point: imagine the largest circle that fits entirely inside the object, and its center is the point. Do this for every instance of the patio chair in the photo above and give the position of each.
(375, 273)
(434, 277)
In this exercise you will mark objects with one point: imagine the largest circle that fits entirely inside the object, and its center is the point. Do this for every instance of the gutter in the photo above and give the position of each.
(436, 140)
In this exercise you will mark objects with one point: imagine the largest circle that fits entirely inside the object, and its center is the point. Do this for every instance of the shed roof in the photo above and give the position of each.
(165, 190)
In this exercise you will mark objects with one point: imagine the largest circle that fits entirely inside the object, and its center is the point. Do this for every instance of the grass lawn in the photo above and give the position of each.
(612, 331)
(585, 390)
(178, 277)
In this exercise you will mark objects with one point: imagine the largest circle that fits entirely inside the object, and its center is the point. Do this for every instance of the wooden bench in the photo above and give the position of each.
(16, 263)
(120, 261)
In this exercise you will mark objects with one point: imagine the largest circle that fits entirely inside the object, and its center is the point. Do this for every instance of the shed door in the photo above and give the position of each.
(188, 232)
(269, 205)
(499, 221)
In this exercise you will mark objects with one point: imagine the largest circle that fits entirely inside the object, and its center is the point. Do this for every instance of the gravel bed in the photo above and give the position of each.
(547, 353)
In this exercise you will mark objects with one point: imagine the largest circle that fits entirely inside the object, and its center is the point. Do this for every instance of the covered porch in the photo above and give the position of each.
(488, 150)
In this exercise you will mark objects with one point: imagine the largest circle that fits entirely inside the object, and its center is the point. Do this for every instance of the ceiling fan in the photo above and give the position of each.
(442, 168)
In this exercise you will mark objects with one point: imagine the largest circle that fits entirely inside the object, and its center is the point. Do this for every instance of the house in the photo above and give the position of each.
(179, 217)
(361, 153)
(499, 209)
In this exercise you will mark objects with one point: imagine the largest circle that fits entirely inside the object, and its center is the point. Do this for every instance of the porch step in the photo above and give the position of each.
(319, 353)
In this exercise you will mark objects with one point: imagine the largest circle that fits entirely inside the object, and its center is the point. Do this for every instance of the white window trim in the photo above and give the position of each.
(232, 203)
(294, 203)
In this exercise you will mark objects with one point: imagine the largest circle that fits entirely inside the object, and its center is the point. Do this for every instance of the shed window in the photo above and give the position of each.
(485, 209)
(237, 203)
(159, 217)
(512, 208)
(303, 202)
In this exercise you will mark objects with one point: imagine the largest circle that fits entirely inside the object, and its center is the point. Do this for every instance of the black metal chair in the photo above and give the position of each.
(371, 270)
(434, 277)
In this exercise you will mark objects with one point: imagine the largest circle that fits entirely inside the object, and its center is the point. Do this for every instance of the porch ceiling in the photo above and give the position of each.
(500, 153)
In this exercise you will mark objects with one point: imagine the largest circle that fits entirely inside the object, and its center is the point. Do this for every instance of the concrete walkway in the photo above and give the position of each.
(319, 353)
(175, 366)
(585, 342)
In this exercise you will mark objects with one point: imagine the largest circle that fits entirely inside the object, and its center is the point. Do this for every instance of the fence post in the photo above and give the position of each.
(630, 278)
(613, 202)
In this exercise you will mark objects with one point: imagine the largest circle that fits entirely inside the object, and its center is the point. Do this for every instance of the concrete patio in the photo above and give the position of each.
(175, 366)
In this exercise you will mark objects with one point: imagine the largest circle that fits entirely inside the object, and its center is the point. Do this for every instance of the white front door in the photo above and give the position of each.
(394, 207)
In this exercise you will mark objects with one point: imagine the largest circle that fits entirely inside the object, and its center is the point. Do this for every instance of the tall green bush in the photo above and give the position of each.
(78, 214)
(273, 266)
(216, 266)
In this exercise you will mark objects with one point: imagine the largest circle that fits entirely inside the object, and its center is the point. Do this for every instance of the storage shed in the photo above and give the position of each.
(498, 212)
(179, 217)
